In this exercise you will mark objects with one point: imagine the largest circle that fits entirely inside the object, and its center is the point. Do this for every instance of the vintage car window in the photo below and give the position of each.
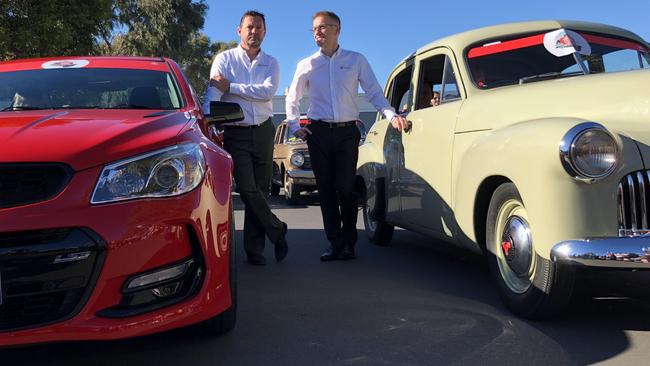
(449, 91)
(525, 59)
(88, 88)
(400, 91)
(430, 83)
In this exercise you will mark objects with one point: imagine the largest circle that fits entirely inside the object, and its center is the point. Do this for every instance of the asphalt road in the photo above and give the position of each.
(416, 302)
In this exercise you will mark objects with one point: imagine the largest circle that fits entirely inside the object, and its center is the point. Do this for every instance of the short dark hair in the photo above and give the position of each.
(329, 14)
(252, 13)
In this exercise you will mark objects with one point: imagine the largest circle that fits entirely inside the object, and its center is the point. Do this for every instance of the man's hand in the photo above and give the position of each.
(302, 133)
(400, 123)
(220, 82)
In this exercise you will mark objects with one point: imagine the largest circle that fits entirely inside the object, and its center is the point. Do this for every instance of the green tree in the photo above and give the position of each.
(170, 28)
(33, 28)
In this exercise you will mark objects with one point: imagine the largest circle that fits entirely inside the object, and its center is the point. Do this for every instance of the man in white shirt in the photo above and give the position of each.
(332, 77)
(249, 77)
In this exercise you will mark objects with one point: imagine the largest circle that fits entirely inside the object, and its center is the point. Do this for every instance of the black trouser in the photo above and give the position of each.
(252, 154)
(333, 152)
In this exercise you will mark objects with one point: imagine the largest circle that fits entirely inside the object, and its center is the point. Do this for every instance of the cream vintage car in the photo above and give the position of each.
(529, 142)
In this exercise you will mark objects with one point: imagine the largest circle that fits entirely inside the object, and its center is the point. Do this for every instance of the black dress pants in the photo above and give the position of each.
(333, 152)
(252, 154)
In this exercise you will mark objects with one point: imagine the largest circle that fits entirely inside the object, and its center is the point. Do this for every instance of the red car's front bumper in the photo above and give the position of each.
(121, 240)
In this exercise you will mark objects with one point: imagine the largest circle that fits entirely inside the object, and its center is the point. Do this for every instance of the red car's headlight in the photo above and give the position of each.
(162, 173)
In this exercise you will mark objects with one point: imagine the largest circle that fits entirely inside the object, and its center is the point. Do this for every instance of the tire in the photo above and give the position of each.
(225, 322)
(291, 191)
(379, 232)
(529, 285)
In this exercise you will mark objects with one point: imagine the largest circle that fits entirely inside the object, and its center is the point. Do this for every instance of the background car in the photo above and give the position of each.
(536, 155)
(115, 208)
(292, 165)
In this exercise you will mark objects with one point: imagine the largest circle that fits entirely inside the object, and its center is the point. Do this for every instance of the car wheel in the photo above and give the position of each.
(378, 231)
(530, 286)
(291, 191)
(225, 321)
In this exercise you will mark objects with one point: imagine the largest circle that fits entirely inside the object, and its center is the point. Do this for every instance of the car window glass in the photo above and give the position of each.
(623, 60)
(400, 95)
(278, 133)
(449, 86)
(430, 83)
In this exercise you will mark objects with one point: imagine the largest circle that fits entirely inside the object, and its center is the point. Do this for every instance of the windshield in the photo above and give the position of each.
(88, 88)
(528, 59)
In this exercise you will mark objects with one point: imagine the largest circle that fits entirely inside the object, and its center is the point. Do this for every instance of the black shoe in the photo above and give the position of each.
(257, 260)
(346, 253)
(281, 247)
(331, 254)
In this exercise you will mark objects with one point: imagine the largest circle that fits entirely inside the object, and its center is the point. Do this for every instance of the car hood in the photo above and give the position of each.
(85, 138)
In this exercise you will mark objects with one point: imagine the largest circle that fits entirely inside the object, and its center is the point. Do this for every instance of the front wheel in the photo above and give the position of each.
(378, 231)
(530, 286)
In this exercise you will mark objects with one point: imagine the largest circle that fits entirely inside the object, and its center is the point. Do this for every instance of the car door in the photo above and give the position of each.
(400, 97)
(425, 179)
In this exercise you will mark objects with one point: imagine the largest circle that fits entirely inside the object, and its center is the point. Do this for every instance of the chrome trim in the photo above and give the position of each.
(630, 183)
(608, 252)
(566, 147)
(644, 213)
(621, 207)
(300, 173)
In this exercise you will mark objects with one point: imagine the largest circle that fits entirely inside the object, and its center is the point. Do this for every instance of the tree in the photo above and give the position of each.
(32, 28)
(168, 28)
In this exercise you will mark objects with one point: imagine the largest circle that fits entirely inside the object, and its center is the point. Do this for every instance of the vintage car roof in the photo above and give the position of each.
(134, 62)
(458, 42)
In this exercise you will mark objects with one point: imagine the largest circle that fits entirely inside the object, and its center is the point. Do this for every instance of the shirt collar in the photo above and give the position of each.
(336, 53)
(243, 54)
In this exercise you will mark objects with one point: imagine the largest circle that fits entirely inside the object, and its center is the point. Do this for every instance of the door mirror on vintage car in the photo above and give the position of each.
(224, 112)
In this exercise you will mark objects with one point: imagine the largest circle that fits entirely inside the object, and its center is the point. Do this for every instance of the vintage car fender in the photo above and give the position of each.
(370, 164)
(527, 154)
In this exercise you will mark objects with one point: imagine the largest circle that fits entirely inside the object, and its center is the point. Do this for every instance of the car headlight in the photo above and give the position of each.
(589, 152)
(297, 159)
(162, 173)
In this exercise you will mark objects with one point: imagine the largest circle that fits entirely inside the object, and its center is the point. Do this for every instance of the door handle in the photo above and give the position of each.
(409, 126)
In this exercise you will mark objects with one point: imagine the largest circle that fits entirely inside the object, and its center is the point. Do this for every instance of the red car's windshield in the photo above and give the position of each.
(88, 88)
(528, 59)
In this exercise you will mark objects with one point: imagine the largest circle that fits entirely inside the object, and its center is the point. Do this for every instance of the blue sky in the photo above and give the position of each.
(386, 31)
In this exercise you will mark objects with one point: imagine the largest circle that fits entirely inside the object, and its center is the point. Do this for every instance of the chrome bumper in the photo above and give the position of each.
(301, 174)
(614, 252)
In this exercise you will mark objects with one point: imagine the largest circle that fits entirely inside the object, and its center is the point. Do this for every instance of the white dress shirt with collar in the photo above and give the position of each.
(252, 84)
(332, 84)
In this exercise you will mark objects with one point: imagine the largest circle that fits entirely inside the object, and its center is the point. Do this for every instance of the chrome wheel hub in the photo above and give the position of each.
(516, 246)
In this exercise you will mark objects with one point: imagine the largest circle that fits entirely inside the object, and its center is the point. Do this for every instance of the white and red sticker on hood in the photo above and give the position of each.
(564, 42)
(65, 64)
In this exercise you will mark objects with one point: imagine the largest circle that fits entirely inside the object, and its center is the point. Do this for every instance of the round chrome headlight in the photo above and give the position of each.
(297, 159)
(589, 152)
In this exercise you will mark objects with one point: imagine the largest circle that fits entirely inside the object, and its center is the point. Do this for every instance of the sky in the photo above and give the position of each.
(387, 31)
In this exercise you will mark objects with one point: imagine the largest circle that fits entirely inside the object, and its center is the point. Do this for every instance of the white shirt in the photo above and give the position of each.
(333, 84)
(252, 84)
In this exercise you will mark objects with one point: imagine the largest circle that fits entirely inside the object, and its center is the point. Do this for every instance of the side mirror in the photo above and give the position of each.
(224, 112)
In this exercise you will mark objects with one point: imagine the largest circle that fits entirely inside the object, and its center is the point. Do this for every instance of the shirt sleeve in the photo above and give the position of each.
(260, 92)
(293, 97)
(374, 93)
(212, 93)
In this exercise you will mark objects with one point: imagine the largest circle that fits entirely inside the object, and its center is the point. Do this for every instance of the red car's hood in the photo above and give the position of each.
(84, 138)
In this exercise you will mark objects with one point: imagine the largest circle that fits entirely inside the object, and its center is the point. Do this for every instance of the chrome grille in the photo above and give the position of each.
(633, 199)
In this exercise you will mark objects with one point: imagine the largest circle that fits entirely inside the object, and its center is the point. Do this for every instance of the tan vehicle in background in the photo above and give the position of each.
(291, 165)
(537, 155)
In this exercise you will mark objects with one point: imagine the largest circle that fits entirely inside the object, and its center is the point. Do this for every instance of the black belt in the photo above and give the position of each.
(247, 127)
(334, 124)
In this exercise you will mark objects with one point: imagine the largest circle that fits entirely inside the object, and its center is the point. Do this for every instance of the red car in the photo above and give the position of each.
(115, 208)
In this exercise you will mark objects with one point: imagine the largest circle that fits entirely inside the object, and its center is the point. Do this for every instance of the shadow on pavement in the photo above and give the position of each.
(413, 303)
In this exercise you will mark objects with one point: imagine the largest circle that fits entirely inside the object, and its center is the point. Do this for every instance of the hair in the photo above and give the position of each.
(252, 13)
(329, 14)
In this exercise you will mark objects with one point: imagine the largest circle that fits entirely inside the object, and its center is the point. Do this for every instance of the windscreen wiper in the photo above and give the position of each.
(20, 108)
(549, 75)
